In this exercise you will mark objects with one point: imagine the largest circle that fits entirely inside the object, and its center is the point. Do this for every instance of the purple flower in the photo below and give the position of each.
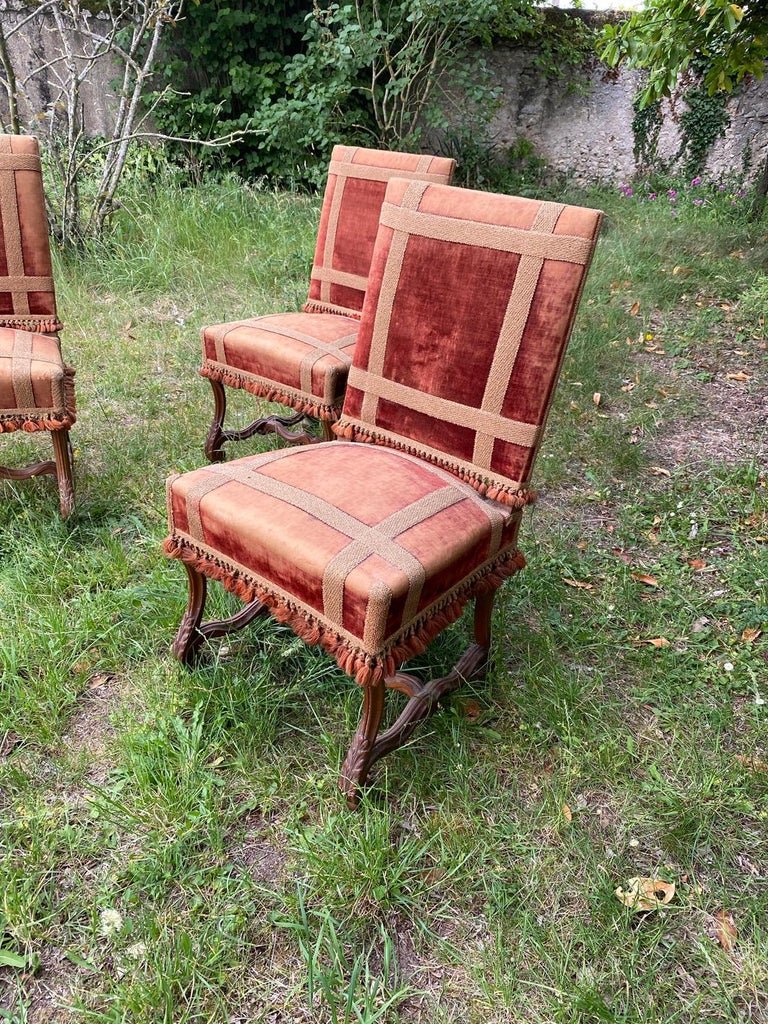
(698, 202)
(721, 187)
(672, 193)
(696, 181)
(673, 213)
(740, 194)
(651, 195)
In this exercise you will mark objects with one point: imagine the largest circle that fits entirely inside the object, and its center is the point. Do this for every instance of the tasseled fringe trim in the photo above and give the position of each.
(365, 668)
(53, 421)
(313, 306)
(38, 324)
(492, 489)
(273, 393)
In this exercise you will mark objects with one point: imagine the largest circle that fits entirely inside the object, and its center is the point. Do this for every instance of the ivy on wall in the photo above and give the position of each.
(702, 122)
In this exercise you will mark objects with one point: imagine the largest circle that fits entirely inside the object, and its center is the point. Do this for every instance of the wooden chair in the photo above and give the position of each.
(372, 549)
(302, 359)
(37, 390)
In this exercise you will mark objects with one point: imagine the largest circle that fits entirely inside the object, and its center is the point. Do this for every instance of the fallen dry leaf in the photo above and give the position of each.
(471, 710)
(8, 742)
(657, 641)
(578, 584)
(622, 554)
(635, 435)
(725, 930)
(697, 563)
(643, 577)
(596, 398)
(659, 471)
(634, 309)
(567, 812)
(629, 387)
(740, 376)
(754, 764)
(748, 635)
(646, 893)
(99, 679)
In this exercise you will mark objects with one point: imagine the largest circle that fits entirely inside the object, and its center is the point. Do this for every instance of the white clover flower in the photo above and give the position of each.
(111, 921)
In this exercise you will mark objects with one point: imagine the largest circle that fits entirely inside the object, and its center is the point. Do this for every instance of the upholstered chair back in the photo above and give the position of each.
(460, 345)
(27, 297)
(357, 181)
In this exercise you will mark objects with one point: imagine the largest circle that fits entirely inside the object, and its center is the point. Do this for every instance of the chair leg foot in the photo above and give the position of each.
(359, 759)
(193, 631)
(186, 646)
(62, 450)
(369, 744)
(214, 450)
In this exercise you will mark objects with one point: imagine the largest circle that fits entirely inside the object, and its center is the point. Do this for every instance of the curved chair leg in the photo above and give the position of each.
(369, 744)
(359, 759)
(218, 436)
(62, 450)
(215, 439)
(193, 631)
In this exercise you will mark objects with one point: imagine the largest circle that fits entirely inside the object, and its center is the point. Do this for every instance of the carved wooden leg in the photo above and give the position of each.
(193, 631)
(213, 443)
(186, 646)
(62, 450)
(423, 698)
(359, 757)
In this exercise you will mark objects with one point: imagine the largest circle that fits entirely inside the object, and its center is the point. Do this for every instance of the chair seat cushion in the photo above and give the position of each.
(299, 359)
(368, 551)
(36, 388)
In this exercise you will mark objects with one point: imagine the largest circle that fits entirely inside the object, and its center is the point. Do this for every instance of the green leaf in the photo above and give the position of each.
(9, 959)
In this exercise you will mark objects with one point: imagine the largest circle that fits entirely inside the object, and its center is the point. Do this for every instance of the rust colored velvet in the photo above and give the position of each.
(267, 364)
(283, 546)
(22, 215)
(358, 218)
(36, 388)
(265, 355)
(449, 303)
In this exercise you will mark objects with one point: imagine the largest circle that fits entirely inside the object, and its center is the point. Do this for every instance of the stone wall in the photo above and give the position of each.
(38, 45)
(587, 129)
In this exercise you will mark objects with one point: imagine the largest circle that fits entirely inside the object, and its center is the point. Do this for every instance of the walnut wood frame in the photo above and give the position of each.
(275, 424)
(60, 467)
(369, 743)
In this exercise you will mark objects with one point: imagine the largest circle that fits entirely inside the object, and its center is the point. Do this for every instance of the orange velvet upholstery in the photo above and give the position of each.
(470, 305)
(371, 551)
(367, 551)
(299, 359)
(36, 388)
(27, 298)
(355, 189)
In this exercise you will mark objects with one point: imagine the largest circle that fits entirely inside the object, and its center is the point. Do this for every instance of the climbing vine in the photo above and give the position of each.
(646, 128)
(702, 123)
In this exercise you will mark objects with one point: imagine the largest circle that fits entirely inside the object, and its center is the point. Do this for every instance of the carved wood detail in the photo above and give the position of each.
(369, 744)
(193, 631)
(274, 424)
(60, 467)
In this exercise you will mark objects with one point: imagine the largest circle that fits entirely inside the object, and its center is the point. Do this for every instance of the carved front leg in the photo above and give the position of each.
(359, 757)
(186, 646)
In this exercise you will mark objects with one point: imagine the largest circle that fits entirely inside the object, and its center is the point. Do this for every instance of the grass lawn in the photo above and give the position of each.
(172, 844)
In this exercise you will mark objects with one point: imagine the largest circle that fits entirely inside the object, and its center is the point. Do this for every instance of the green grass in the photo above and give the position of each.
(202, 807)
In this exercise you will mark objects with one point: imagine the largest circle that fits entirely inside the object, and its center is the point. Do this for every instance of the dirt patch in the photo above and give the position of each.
(730, 427)
(250, 847)
(90, 729)
(45, 996)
